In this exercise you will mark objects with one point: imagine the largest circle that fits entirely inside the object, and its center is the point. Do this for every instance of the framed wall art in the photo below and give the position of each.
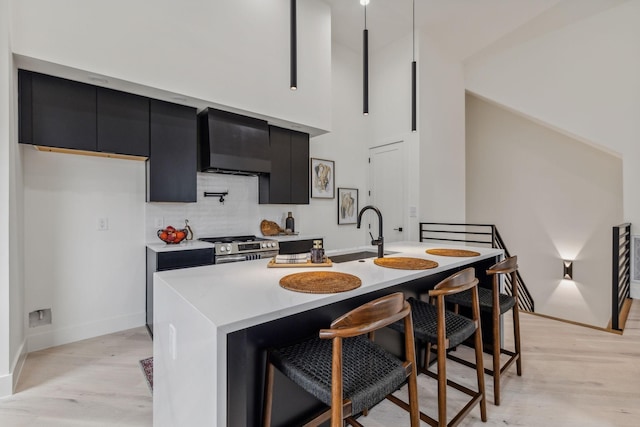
(347, 206)
(322, 178)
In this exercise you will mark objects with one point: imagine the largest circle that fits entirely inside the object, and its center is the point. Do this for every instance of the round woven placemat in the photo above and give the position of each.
(406, 263)
(452, 252)
(320, 282)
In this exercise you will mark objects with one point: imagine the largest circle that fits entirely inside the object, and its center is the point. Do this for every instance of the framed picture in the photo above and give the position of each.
(322, 178)
(347, 205)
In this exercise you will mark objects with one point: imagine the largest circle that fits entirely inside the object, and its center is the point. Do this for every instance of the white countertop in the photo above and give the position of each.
(196, 308)
(185, 245)
(288, 237)
(235, 296)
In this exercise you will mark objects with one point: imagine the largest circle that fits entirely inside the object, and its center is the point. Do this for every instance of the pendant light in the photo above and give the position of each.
(365, 62)
(294, 47)
(414, 126)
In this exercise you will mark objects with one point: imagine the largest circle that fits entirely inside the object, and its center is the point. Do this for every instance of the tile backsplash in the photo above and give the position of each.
(239, 214)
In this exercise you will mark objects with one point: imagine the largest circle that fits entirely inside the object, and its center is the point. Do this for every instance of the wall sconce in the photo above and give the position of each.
(568, 269)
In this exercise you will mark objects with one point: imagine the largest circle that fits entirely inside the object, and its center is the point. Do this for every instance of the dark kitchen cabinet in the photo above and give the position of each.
(172, 165)
(60, 113)
(57, 112)
(297, 246)
(171, 260)
(288, 182)
(123, 123)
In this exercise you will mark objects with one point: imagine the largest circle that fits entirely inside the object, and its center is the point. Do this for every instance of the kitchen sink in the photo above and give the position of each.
(353, 256)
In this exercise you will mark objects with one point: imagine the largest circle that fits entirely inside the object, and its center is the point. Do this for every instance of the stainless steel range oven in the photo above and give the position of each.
(242, 248)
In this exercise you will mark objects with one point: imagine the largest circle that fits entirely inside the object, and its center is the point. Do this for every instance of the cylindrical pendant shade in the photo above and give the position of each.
(365, 72)
(294, 47)
(414, 126)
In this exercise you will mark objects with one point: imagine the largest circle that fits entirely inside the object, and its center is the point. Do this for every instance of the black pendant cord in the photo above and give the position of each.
(294, 47)
(365, 66)
(414, 126)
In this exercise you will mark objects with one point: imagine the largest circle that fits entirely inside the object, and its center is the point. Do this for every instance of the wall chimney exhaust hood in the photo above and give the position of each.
(232, 143)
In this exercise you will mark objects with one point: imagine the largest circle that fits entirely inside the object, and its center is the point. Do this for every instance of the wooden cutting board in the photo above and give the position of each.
(320, 282)
(452, 252)
(326, 263)
(406, 263)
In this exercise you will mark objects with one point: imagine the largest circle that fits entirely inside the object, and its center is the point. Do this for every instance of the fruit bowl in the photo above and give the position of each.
(171, 235)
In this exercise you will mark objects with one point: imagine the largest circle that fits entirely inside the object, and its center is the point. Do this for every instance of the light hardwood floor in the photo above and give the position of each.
(573, 376)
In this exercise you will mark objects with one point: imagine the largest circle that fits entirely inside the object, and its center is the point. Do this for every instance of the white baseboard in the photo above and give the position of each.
(6, 385)
(634, 290)
(8, 382)
(54, 337)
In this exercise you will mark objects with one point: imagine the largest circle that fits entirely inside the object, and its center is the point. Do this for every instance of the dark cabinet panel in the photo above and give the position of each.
(299, 168)
(288, 182)
(296, 246)
(60, 113)
(63, 113)
(172, 166)
(123, 123)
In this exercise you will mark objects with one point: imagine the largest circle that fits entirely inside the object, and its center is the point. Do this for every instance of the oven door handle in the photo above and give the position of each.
(229, 258)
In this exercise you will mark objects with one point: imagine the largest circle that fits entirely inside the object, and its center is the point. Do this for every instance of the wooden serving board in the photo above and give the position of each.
(320, 282)
(406, 263)
(326, 263)
(452, 252)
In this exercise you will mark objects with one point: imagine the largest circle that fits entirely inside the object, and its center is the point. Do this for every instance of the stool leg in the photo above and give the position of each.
(516, 338)
(442, 386)
(268, 395)
(496, 354)
(480, 373)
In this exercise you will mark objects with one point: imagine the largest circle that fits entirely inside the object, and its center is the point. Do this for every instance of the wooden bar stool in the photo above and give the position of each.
(433, 324)
(497, 303)
(346, 370)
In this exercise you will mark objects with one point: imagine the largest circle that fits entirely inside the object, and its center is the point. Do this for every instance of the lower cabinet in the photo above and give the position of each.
(162, 261)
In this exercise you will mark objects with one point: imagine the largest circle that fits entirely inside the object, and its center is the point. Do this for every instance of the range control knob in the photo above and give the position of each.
(272, 244)
(223, 248)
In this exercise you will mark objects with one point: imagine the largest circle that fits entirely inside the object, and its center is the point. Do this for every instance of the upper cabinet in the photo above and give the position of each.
(123, 123)
(172, 166)
(288, 182)
(65, 114)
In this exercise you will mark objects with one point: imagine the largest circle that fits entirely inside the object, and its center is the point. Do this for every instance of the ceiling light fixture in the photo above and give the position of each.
(294, 47)
(414, 126)
(365, 63)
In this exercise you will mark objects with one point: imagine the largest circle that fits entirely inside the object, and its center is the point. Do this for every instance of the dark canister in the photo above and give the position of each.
(317, 252)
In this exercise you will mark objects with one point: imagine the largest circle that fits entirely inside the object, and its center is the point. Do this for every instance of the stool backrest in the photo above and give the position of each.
(365, 320)
(506, 266)
(369, 317)
(458, 282)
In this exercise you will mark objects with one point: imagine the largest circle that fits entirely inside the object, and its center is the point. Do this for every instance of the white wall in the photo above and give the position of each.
(92, 280)
(5, 168)
(552, 198)
(12, 348)
(442, 136)
(582, 80)
(226, 52)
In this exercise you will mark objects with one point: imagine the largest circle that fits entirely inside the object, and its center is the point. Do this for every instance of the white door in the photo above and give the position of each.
(387, 178)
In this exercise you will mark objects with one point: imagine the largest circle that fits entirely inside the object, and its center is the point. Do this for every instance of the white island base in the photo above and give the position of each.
(214, 323)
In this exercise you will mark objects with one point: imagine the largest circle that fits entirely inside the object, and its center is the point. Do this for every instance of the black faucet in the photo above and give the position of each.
(380, 240)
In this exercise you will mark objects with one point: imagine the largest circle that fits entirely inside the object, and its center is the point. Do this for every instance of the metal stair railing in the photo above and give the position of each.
(620, 271)
(482, 234)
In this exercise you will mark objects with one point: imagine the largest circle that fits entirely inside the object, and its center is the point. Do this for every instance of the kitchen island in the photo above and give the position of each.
(214, 323)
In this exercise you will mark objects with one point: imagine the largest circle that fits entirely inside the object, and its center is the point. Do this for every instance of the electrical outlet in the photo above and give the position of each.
(158, 222)
(103, 224)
